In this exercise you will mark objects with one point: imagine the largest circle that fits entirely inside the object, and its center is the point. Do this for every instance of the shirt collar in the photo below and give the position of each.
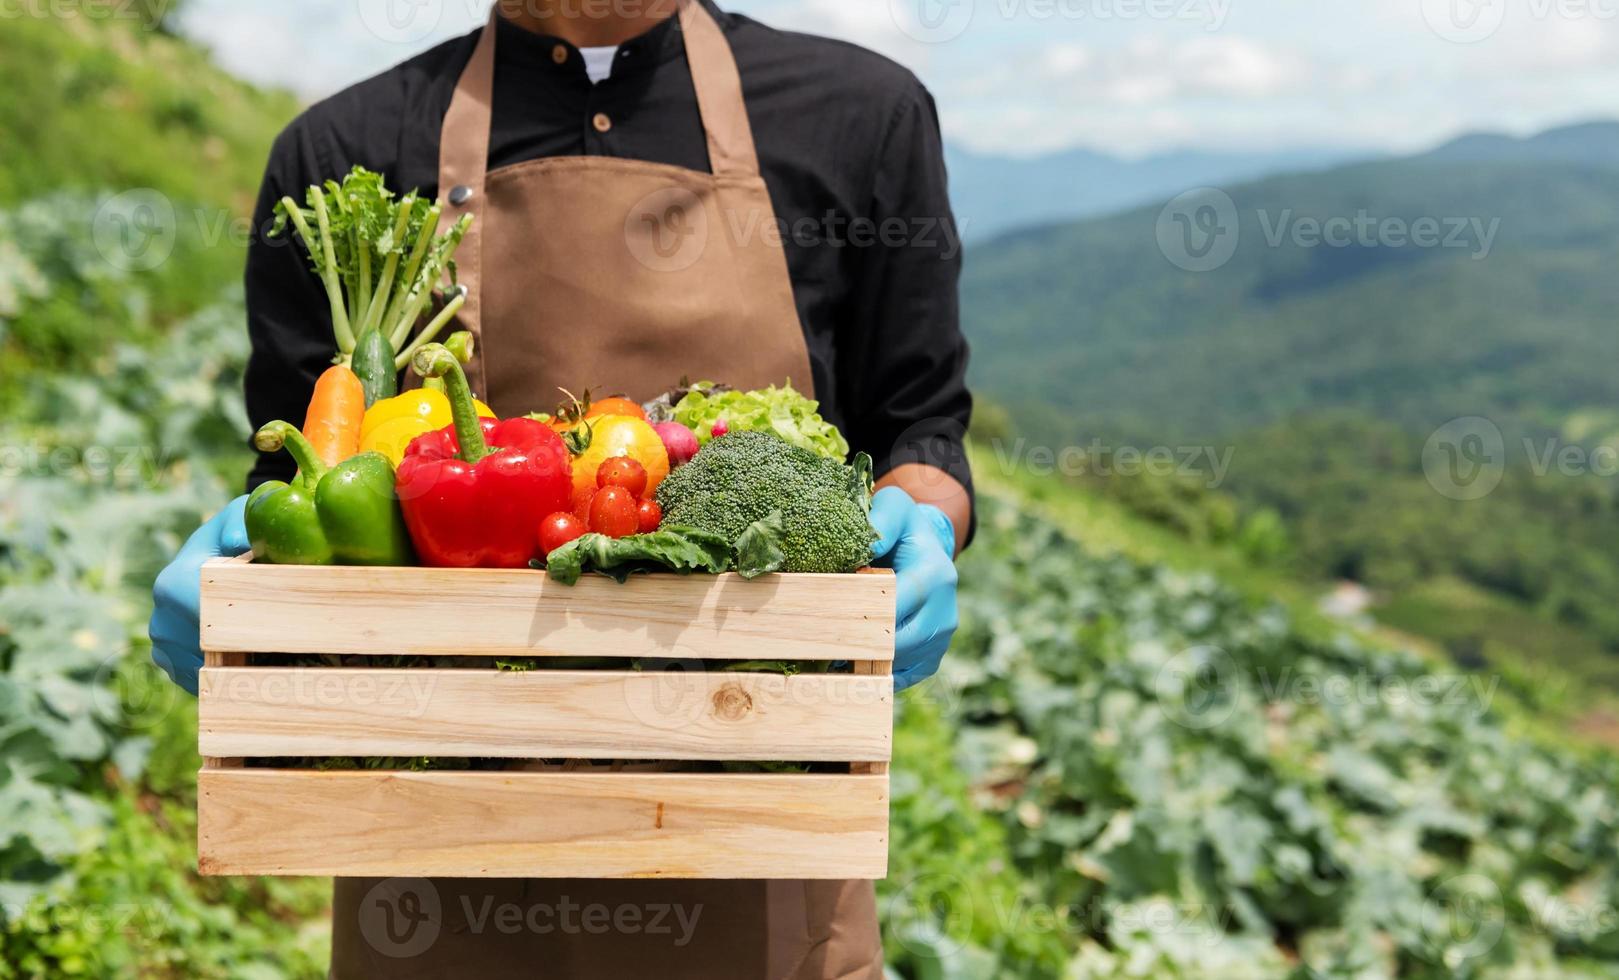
(657, 45)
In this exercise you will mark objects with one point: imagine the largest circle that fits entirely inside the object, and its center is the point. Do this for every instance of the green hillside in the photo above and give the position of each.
(94, 102)
(129, 168)
(1089, 327)
(1323, 371)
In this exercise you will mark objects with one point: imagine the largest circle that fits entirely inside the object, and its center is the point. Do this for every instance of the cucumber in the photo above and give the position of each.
(373, 363)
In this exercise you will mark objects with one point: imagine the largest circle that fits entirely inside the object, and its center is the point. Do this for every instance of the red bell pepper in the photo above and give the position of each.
(474, 493)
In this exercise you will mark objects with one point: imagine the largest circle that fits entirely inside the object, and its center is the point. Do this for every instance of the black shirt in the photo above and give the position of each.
(849, 147)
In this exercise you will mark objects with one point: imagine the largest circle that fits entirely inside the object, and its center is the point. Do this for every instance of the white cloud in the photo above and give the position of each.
(873, 24)
(1274, 73)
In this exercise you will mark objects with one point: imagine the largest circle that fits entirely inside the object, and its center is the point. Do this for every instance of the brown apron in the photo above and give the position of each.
(620, 276)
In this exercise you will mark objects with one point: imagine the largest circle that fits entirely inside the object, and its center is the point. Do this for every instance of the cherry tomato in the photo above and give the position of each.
(623, 471)
(581, 502)
(558, 529)
(650, 516)
(613, 513)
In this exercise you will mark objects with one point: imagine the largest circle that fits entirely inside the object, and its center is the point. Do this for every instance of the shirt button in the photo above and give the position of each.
(559, 54)
(602, 122)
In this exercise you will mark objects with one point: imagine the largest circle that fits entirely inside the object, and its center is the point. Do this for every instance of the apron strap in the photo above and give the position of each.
(714, 75)
(463, 161)
(464, 140)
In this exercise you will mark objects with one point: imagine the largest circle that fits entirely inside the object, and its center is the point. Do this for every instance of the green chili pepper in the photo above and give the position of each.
(346, 514)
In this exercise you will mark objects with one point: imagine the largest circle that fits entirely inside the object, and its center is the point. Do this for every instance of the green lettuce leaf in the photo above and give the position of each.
(758, 550)
(669, 549)
(783, 412)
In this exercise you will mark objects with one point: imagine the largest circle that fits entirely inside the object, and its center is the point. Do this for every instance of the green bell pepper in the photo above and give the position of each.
(346, 514)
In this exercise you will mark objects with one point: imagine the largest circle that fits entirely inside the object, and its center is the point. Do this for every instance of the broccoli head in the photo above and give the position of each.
(744, 478)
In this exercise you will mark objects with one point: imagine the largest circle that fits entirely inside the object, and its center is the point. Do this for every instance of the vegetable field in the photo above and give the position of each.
(1180, 781)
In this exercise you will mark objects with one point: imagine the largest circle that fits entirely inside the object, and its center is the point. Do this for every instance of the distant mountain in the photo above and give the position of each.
(994, 194)
(1088, 326)
(1592, 143)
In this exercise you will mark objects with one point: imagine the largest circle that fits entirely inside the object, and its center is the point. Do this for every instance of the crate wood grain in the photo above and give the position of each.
(253, 608)
(678, 715)
(537, 818)
(562, 825)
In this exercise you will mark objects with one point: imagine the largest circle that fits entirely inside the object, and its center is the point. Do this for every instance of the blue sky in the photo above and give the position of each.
(1122, 76)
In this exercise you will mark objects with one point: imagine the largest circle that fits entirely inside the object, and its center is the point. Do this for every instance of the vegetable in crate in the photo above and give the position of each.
(380, 259)
(672, 549)
(393, 423)
(711, 411)
(597, 438)
(800, 512)
(335, 416)
(329, 515)
(475, 492)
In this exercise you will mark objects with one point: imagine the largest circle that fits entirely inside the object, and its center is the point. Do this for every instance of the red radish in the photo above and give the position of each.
(719, 428)
(678, 441)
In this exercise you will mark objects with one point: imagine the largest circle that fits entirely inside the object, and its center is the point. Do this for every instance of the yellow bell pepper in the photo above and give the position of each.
(392, 423)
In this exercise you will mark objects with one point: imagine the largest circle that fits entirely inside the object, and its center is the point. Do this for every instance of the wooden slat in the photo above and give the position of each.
(596, 825)
(212, 660)
(879, 671)
(288, 711)
(256, 608)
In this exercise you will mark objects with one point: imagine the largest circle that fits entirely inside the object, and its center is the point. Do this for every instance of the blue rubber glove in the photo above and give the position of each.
(178, 591)
(918, 542)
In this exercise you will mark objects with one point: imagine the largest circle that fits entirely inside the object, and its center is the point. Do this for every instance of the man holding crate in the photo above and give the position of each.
(796, 190)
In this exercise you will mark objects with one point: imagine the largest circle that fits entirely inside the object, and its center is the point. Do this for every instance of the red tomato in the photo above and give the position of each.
(613, 513)
(581, 502)
(650, 516)
(558, 529)
(623, 471)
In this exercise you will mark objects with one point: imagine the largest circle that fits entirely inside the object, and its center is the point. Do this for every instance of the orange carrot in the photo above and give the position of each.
(336, 413)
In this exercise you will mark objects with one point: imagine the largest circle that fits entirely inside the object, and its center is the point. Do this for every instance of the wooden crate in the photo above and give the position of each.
(580, 818)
